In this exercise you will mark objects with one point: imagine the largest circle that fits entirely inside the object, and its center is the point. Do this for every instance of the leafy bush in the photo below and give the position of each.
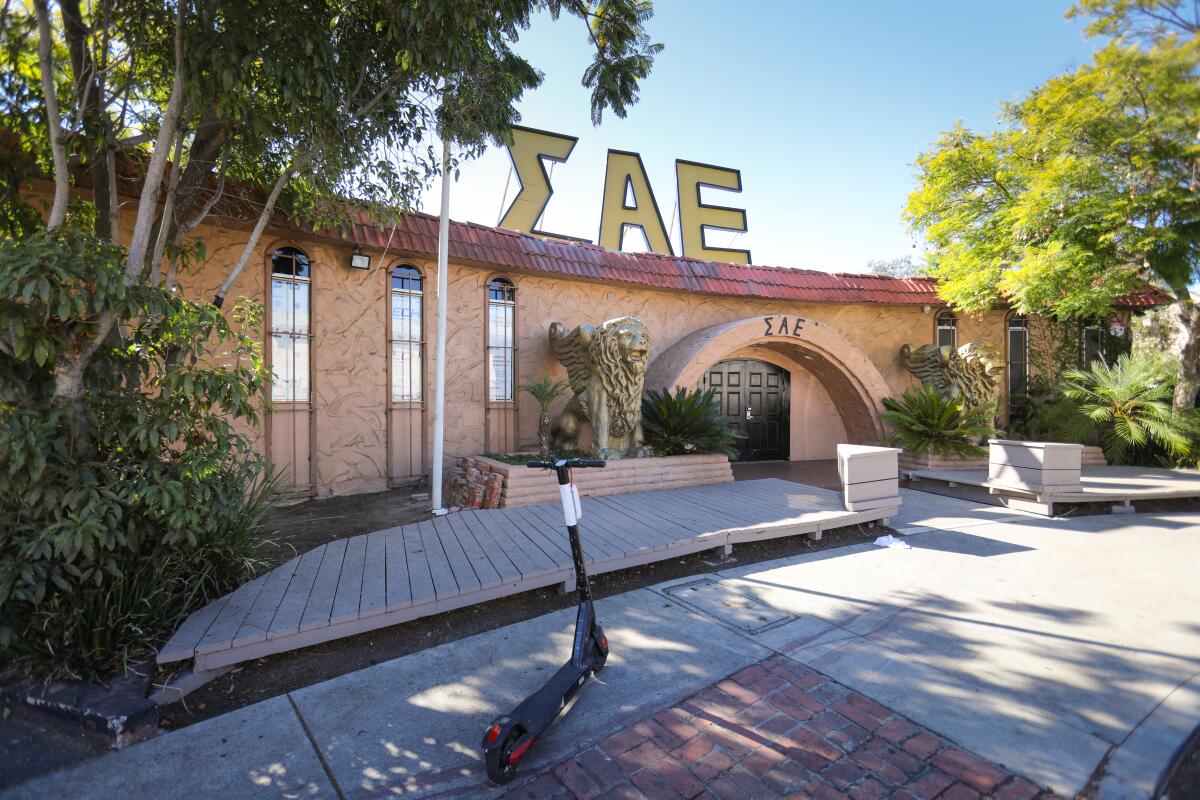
(127, 509)
(1129, 404)
(926, 422)
(1045, 414)
(686, 421)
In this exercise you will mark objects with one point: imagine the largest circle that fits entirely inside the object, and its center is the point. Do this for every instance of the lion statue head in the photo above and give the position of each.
(620, 351)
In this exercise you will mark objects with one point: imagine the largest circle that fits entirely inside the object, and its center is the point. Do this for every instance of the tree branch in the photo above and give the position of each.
(255, 235)
(139, 242)
(62, 185)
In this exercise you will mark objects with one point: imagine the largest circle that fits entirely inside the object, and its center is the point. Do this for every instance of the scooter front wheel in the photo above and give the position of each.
(497, 758)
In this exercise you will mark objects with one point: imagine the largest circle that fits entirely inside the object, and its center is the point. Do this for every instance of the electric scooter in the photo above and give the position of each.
(509, 737)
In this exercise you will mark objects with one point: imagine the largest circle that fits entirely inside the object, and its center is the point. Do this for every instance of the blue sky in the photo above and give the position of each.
(822, 106)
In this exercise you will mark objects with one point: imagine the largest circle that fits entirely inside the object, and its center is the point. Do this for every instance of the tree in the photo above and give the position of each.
(129, 491)
(313, 102)
(545, 391)
(902, 267)
(1089, 188)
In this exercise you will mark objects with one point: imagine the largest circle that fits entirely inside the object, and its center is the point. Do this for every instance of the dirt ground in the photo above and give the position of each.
(300, 527)
(275, 675)
(1184, 781)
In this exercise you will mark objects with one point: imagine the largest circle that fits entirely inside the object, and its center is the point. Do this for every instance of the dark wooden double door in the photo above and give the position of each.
(754, 396)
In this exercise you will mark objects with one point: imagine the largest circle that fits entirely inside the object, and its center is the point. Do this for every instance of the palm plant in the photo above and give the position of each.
(1130, 403)
(545, 391)
(927, 422)
(686, 421)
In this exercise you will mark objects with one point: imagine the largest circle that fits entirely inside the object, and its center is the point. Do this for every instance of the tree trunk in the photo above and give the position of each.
(544, 423)
(89, 99)
(62, 182)
(1189, 366)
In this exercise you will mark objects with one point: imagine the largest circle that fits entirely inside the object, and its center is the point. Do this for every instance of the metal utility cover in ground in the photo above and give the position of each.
(729, 607)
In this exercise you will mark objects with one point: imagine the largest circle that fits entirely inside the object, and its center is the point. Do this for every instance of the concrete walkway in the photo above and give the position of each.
(1039, 645)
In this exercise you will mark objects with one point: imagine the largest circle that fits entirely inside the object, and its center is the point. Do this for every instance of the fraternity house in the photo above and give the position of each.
(800, 360)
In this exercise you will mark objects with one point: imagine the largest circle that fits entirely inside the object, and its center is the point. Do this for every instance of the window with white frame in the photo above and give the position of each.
(1018, 356)
(290, 325)
(407, 335)
(501, 338)
(947, 330)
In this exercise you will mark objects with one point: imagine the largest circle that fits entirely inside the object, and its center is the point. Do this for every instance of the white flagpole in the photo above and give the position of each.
(439, 379)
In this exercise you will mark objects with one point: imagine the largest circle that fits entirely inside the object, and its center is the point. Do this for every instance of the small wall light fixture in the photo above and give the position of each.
(927, 309)
(359, 259)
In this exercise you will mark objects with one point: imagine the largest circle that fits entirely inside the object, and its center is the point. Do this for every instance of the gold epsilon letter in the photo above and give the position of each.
(625, 175)
(695, 216)
(527, 152)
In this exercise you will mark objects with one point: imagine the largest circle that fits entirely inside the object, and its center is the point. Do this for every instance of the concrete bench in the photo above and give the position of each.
(1034, 466)
(870, 476)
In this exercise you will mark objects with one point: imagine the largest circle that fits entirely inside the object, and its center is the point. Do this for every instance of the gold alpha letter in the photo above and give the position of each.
(625, 176)
(528, 150)
(695, 216)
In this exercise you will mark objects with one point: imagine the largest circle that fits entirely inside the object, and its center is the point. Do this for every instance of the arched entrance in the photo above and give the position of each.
(755, 396)
(853, 384)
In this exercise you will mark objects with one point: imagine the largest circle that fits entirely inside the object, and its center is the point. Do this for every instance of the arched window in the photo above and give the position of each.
(407, 334)
(290, 328)
(501, 338)
(947, 330)
(1018, 356)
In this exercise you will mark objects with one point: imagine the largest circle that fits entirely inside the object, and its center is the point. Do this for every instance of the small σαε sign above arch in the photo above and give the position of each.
(783, 325)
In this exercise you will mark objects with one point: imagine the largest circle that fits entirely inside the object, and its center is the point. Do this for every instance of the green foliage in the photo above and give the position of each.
(1044, 414)
(686, 421)
(902, 267)
(927, 422)
(115, 529)
(353, 95)
(545, 391)
(1129, 404)
(1086, 183)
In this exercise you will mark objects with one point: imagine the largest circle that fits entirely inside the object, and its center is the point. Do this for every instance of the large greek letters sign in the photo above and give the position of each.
(627, 198)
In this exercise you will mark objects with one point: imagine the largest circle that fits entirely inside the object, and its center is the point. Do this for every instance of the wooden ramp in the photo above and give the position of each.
(350, 586)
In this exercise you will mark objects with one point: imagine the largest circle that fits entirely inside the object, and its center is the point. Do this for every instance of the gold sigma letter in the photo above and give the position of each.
(629, 201)
(529, 150)
(695, 216)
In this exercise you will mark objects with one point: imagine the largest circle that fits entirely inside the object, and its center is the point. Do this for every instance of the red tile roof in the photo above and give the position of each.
(417, 234)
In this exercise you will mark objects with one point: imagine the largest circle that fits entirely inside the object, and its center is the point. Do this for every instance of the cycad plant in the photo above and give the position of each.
(545, 391)
(927, 422)
(1130, 403)
(686, 421)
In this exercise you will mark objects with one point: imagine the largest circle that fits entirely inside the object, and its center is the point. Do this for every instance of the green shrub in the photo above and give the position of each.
(544, 391)
(127, 510)
(1129, 404)
(686, 421)
(1045, 414)
(927, 422)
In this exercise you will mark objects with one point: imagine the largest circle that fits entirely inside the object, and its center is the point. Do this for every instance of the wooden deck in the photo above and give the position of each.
(1121, 486)
(350, 586)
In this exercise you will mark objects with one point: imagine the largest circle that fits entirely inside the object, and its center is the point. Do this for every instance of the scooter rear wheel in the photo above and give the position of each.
(499, 769)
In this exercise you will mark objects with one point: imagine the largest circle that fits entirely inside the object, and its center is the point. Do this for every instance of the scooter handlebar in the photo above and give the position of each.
(573, 463)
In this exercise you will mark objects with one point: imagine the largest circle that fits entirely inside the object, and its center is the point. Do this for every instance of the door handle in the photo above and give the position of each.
(748, 414)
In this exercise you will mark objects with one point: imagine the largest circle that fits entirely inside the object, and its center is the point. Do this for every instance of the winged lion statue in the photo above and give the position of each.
(606, 367)
(969, 373)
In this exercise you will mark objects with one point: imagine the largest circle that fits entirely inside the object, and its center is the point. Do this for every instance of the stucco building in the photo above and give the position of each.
(801, 359)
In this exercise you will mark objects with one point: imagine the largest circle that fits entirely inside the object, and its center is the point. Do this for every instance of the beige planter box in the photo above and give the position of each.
(912, 462)
(1034, 466)
(869, 475)
(1093, 456)
(524, 486)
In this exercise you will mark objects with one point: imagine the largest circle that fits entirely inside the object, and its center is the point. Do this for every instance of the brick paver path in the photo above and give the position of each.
(777, 729)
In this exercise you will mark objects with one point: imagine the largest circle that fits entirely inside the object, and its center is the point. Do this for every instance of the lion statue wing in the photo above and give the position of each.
(928, 364)
(573, 351)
